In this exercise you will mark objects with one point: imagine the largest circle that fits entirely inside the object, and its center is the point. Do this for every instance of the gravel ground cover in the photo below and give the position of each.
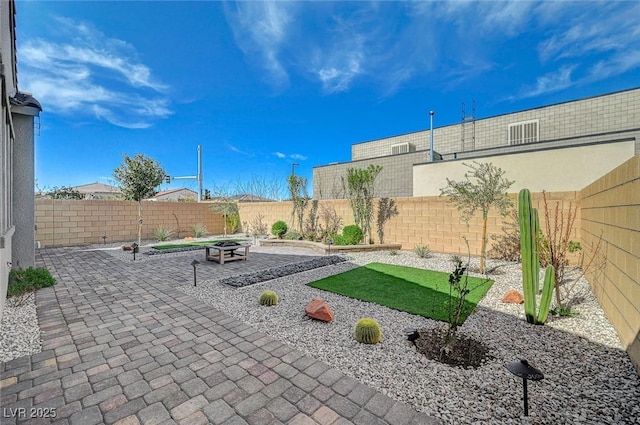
(588, 377)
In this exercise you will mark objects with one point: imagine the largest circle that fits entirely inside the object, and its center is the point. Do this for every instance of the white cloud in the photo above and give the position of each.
(260, 28)
(551, 82)
(298, 156)
(89, 73)
(280, 155)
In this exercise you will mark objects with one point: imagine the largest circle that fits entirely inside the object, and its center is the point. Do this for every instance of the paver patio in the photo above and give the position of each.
(121, 345)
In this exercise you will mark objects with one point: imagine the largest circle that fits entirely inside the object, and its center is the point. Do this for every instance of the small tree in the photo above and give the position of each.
(484, 187)
(359, 186)
(138, 177)
(299, 198)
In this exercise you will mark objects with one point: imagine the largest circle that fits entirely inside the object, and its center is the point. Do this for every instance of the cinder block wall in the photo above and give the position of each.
(431, 221)
(73, 222)
(611, 207)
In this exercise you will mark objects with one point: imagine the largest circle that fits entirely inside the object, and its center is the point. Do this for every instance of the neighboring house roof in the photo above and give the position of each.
(175, 194)
(96, 187)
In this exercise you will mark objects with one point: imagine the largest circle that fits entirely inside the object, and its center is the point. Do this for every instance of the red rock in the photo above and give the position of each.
(513, 297)
(319, 310)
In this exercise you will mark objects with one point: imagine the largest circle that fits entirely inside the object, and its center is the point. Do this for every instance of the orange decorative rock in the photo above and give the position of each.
(513, 297)
(319, 310)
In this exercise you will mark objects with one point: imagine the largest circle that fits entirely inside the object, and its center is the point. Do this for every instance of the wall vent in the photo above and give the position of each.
(521, 133)
(402, 148)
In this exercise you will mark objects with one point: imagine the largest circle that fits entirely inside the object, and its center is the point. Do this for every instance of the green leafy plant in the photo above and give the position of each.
(484, 187)
(564, 311)
(199, 230)
(367, 331)
(279, 228)
(529, 243)
(268, 298)
(163, 233)
(359, 185)
(292, 235)
(422, 251)
(339, 240)
(299, 199)
(64, 192)
(24, 282)
(138, 177)
(352, 234)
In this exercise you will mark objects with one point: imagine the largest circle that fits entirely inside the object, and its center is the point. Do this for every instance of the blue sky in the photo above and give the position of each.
(262, 85)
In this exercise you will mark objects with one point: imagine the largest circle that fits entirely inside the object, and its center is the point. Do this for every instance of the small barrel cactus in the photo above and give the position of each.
(268, 298)
(367, 331)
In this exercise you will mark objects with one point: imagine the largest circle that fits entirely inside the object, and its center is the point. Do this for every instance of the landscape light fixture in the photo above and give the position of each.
(524, 370)
(104, 240)
(134, 249)
(194, 263)
(329, 242)
(412, 334)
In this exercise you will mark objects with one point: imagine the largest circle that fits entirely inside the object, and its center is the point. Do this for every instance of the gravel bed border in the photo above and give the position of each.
(589, 379)
(248, 279)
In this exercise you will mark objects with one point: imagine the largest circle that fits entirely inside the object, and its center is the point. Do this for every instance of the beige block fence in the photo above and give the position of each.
(73, 222)
(609, 207)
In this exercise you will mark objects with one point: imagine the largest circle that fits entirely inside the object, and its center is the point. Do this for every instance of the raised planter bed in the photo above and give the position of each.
(333, 249)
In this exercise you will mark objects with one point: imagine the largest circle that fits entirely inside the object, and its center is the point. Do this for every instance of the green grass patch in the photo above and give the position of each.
(26, 280)
(189, 244)
(416, 291)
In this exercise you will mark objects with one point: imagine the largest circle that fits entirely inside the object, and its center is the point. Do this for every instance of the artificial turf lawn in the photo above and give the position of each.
(416, 291)
(188, 244)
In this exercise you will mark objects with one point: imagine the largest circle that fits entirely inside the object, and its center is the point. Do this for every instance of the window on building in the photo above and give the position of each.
(524, 132)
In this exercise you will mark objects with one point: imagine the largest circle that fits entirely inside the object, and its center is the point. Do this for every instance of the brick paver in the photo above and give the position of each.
(121, 345)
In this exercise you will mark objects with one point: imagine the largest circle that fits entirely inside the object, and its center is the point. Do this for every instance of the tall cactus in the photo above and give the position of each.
(529, 228)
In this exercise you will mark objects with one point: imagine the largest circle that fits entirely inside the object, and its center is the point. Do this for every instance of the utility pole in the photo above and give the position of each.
(293, 169)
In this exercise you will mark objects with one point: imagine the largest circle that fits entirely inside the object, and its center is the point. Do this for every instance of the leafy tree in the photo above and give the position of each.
(299, 197)
(484, 187)
(359, 186)
(64, 192)
(138, 177)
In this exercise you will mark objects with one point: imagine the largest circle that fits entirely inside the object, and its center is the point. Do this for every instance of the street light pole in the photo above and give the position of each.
(293, 169)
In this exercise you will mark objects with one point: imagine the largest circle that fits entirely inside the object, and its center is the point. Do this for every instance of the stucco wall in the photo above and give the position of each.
(558, 170)
(23, 191)
(611, 208)
(71, 222)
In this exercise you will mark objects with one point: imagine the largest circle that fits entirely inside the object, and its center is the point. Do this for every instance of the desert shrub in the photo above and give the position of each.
(352, 234)
(330, 222)
(507, 245)
(163, 233)
(339, 240)
(268, 298)
(422, 251)
(199, 230)
(257, 226)
(279, 228)
(292, 235)
(23, 282)
(367, 331)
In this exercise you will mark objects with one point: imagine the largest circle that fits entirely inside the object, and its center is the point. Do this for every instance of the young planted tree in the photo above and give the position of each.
(300, 199)
(359, 186)
(483, 188)
(225, 203)
(138, 178)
